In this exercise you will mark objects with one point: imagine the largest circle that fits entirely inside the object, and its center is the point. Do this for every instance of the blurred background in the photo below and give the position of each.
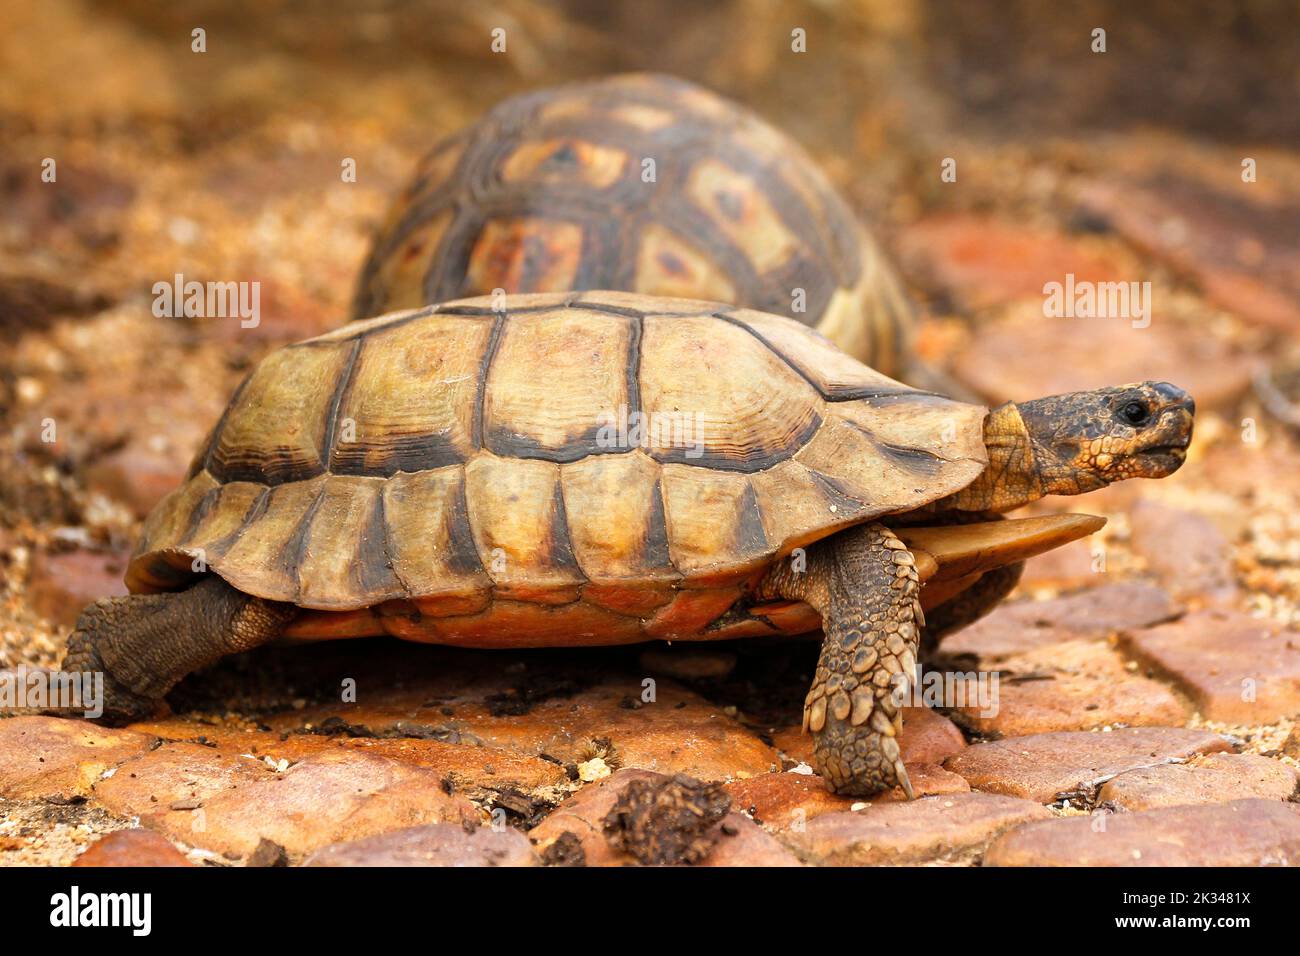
(224, 165)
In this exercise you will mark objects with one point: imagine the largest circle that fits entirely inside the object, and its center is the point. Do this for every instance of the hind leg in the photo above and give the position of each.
(144, 644)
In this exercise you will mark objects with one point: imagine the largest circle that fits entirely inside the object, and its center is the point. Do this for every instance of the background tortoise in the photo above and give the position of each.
(447, 475)
(546, 194)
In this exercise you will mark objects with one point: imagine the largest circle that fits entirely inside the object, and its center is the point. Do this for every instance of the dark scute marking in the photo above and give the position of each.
(750, 537)
(564, 155)
(835, 494)
(170, 576)
(672, 263)
(200, 512)
(255, 510)
(916, 460)
(277, 469)
(214, 436)
(374, 570)
(508, 444)
(559, 546)
(655, 545)
(729, 203)
(883, 393)
(633, 364)
(485, 366)
(462, 553)
(409, 453)
(341, 388)
(290, 557)
(750, 462)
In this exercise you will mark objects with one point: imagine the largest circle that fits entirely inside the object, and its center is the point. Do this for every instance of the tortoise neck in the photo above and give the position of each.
(1014, 475)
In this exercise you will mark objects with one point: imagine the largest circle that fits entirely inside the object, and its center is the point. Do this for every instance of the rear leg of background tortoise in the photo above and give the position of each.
(145, 643)
(967, 607)
(864, 584)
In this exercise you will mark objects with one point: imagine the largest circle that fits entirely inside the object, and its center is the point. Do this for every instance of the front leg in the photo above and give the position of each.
(864, 583)
(144, 644)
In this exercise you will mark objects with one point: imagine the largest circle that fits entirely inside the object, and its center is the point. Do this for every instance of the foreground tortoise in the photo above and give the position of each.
(547, 193)
(605, 468)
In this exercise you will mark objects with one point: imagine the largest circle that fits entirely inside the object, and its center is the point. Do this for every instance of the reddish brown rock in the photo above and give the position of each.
(1241, 833)
(1075, 702)
(1237, 241)
(1044, 765)
(745, 843)
(948, 828)
(328, 798)
(679, 732)
(1187, 551)
(1061, 569)
(140, 475)
(437, 844)
(981, 261)
(134, 847)
(50, 758)
(1214, 778)
(927, 738)
(1236, 669)
(783, 800)
(176, 778)
(1005, 359)
(1076, 685)
(62, 584)
(1093, 614)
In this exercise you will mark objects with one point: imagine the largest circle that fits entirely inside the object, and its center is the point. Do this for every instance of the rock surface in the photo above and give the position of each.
(946, 828)
(1235, 668)
(1041, 766)
(1241, 833)
(437, 844)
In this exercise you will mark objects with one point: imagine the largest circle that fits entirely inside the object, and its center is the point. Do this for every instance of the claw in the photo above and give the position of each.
(901, 773)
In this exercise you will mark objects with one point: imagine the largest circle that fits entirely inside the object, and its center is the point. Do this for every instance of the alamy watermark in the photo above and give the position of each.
(38, 688)
(1072, 299)
(209, 300)
(950, 690)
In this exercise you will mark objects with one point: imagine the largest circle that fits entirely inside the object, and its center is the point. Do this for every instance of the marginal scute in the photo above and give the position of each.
(429, 536)
(517, 514)
(265, 556)
(344, 551)
(625, 537)
(713, 520)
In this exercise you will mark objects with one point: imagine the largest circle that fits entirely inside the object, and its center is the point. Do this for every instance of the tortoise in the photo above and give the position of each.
(546, 193)
(472, 474)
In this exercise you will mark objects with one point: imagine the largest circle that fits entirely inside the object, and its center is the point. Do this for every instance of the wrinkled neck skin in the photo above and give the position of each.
(1020, 469)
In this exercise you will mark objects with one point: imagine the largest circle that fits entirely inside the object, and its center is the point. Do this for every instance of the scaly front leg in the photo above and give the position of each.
(864, 583)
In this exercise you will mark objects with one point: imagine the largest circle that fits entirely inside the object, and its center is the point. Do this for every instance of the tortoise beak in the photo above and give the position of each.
(1166, 449)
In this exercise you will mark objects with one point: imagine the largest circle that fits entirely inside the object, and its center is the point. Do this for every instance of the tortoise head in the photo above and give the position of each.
(1085, 440)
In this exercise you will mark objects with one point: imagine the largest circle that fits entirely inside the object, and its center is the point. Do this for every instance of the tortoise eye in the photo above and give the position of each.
(1135, 413)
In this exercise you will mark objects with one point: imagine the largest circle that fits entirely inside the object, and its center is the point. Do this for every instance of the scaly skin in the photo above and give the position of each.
(144, 644)
(1075, 443)
(864, 583)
